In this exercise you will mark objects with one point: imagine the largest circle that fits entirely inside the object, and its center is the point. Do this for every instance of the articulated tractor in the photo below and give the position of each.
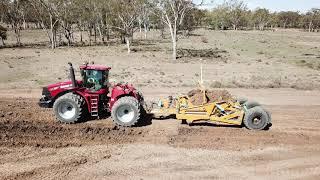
(74, 100)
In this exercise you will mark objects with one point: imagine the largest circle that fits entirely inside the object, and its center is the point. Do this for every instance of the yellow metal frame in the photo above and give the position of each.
(217, 112)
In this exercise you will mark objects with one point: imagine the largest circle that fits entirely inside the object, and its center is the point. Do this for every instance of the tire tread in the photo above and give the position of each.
(126, 100)
(79, 101)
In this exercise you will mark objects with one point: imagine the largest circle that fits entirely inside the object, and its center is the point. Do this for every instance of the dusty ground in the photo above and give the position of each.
(34, 146)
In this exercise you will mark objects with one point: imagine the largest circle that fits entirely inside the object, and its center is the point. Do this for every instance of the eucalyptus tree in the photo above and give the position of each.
(261, 17)
(172, 14)
(14, 15)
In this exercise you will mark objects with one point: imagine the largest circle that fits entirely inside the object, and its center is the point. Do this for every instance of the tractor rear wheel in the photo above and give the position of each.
(256, 118)
(68, 108)
(126, 111)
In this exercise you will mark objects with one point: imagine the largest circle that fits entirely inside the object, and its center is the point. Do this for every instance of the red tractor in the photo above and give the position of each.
(73, 100)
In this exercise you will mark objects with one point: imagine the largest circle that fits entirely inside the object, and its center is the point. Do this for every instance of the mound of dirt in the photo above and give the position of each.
(37, 134)
(23, 123)
(196, 96)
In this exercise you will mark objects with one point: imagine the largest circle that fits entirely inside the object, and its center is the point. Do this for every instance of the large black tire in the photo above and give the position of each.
(126, 111)
(256, 118)
(251, 104)
(69, 108)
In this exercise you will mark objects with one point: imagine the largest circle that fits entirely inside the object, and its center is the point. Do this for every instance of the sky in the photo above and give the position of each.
(275, 5)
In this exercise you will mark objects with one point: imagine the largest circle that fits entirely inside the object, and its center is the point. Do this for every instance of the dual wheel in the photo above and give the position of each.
(70, 108)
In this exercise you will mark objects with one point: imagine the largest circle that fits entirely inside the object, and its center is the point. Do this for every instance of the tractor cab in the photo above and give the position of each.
(95, 77)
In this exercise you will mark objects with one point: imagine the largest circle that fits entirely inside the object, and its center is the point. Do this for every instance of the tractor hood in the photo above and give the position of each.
(51, 91)
(56, 88)
(62, 85)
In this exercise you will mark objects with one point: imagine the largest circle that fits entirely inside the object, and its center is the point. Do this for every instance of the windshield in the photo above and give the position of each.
(94, 80)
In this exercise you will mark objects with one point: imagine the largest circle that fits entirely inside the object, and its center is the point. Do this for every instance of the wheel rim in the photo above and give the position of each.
(125, 113)
(66, 110)
(257, 122)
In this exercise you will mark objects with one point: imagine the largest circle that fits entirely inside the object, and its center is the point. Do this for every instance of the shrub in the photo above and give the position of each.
(3, 32)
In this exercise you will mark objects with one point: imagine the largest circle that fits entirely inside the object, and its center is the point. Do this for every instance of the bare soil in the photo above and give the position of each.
(21, 117)
(33, 145)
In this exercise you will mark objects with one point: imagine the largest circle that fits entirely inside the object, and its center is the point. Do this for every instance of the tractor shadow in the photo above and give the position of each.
(146, 120)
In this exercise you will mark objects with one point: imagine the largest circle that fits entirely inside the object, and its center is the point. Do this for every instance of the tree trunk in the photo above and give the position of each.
(162, 33)
(145, 31)
(17, 32)
(60, 38)
(95, 34)
(81, 38)
(234, 27)
(108, 34)
(67, 35)
(140, 28)
(53, 43)
(24, 21)
(101, 34)
(284, 25)
(2, 43)
(174, 50)
(89, 35)
(55, 38)
(173, 32)
(128, 44)
(310, 26)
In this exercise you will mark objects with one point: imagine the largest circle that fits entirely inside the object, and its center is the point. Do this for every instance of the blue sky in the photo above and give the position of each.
(276, 5)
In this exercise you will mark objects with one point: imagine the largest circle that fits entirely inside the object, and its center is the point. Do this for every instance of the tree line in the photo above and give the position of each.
(234, 14)
(102, 20)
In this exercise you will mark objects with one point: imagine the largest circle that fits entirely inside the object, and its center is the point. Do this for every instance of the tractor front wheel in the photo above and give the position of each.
(126, 111)
(68, 108)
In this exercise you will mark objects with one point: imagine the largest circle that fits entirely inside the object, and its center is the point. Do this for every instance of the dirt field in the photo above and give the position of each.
(278, 69)
(33, 145)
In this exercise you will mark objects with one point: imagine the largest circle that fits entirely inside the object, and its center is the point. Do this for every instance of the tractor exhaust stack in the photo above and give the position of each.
(72, 75)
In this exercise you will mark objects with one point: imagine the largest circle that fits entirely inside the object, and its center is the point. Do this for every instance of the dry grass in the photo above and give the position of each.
(246, 59)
